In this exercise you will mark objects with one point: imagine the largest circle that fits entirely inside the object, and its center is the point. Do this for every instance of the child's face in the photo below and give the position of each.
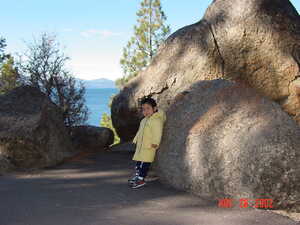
(148, 110)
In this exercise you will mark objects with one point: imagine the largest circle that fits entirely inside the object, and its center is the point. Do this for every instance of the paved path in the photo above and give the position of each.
(94, 191)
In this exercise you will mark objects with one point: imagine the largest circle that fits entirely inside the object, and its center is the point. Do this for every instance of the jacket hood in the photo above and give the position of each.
(160, 114)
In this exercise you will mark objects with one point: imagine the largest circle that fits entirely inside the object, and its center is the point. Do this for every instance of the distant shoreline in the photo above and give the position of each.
(97, 100)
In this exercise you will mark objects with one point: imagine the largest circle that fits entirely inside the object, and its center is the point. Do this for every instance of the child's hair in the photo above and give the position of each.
(148, 100)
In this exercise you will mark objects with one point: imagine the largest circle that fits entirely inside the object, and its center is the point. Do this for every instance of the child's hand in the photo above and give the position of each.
(154, 145)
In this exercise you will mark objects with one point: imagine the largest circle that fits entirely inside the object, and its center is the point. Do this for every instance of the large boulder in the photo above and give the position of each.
(5, 164)
(255, 42)
(222, 139)
(32, 131)
(91, 137)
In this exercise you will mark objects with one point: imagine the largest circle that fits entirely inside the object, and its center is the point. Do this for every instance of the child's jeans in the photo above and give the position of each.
(142, 168)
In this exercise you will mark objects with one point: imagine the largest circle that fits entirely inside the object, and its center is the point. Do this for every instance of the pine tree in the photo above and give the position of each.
(9, 76)
(149, 33)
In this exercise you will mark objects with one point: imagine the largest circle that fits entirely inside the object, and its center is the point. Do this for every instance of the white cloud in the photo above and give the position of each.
(102, 33)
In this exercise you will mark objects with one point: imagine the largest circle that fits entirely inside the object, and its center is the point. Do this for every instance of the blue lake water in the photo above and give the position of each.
(97, 102)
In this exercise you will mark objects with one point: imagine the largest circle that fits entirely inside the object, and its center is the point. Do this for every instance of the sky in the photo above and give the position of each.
(92, 32)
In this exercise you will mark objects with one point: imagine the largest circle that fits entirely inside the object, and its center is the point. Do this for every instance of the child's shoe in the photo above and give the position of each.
(138, 183)
(133, 180)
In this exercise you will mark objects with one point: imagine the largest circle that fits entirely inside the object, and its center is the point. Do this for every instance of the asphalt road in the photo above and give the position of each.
(94, 191)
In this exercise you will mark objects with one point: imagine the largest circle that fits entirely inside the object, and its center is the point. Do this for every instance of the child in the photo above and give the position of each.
(147, 140)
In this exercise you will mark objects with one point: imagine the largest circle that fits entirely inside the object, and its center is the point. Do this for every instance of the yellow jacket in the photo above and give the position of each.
(149, 132)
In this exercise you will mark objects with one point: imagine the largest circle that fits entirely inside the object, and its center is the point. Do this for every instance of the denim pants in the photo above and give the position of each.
(142, 168)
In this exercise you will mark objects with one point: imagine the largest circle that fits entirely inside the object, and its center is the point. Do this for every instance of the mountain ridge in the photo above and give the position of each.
(98, 83)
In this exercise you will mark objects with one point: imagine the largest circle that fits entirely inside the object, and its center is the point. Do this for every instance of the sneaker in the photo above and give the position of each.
(138, 183)
(133, 180)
